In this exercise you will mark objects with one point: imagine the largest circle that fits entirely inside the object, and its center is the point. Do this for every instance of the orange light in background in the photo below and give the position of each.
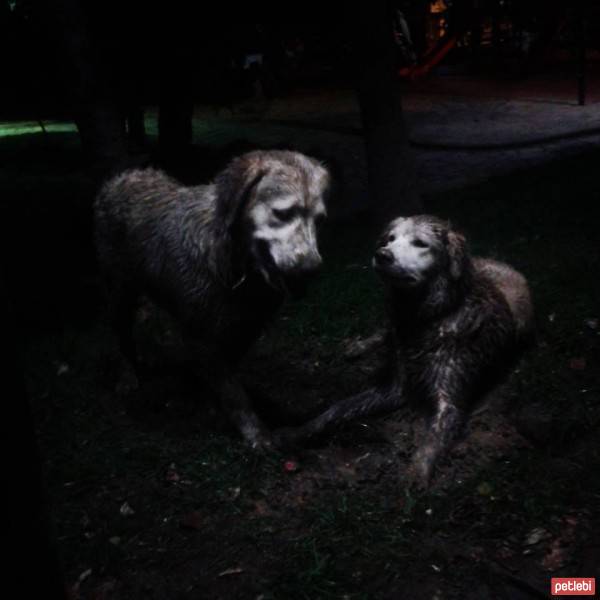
(438, 6)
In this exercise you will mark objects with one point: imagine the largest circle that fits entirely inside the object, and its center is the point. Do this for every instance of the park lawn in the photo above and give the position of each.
(154, 496)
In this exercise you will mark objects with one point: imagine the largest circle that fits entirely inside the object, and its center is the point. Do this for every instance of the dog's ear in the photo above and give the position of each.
(323, 179)
(234, 187)
(457, 253)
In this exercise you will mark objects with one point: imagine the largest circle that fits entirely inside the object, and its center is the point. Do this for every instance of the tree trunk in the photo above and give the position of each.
(136, 129)
(176, 98)
(101, 130)
(95, 111)
(390, 162)
(174, 121)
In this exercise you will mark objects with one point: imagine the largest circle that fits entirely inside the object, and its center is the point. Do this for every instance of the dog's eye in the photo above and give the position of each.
(420, 244)
(284, 214)
(391, 238)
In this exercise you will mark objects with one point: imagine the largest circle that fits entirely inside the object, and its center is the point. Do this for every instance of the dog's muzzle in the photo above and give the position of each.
(385, 264)
(383, 257)
(293, 278)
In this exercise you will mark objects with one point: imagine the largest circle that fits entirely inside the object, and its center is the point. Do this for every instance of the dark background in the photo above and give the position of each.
(91, 88)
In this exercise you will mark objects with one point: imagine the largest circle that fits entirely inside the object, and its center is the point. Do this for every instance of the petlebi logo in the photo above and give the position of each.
(573, 586)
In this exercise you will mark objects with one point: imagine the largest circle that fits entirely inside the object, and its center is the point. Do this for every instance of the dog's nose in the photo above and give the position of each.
(383, 257)
(305, 269)
(310, 264)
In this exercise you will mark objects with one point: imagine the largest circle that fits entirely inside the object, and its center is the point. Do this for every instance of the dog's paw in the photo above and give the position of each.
(420, 470)
(261, 442)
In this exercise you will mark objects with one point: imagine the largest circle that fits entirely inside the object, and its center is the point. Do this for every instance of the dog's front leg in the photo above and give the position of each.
(219, 371)
(370, 403)
(121, 310)
(442, 430)
(236, 403)
(359, 347)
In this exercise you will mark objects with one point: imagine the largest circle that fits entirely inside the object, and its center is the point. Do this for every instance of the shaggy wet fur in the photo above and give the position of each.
(456, 325)
(220, 257)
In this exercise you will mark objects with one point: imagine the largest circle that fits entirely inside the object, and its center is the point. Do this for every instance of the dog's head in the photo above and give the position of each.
(413, 250)
(270, 202)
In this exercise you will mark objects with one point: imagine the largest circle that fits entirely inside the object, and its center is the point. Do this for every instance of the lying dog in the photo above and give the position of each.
(220, 257)
(457, 324)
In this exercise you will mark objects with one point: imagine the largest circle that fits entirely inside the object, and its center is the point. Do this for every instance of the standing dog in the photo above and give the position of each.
(220, 257)
(457, 323)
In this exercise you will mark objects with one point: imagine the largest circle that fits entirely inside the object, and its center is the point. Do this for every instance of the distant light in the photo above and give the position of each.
(438, 6)
(31, 127)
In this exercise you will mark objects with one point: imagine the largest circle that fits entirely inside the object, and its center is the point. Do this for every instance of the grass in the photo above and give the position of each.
(233, 524)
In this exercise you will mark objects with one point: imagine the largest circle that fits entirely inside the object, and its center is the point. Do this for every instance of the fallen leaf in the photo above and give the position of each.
(126, 510)
(104, 590)
(555, 557)
(192, 520)
(262, 509)
(346, 470)
(484, 489)
(505, 552)
(172, 474)
(559, 553)
(535, 536)
(232, 571)
(63, 369)
(84, 575)
(291, 466)
(577, 364)
(570, 522)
